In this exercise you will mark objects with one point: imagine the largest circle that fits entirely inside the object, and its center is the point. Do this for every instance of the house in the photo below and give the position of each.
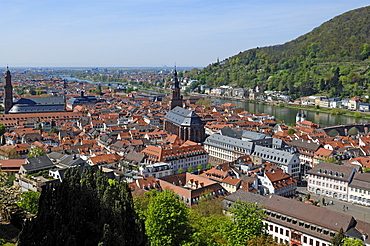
(187, 155)
(307, 151)
(277, 182)
(321, 154)
(331, 180)
(156, 170)
(225, 175)
(36, 164)
(354, 103)
(190, 187)
(107, 160)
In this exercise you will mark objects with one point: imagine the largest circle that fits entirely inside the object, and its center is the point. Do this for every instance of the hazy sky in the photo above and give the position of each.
(137, 33)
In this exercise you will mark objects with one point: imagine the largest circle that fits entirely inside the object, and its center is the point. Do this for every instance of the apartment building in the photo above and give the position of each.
(228, 145)
(330, 180)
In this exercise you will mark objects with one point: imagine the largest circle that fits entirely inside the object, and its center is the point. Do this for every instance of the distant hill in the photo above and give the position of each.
(332, 59)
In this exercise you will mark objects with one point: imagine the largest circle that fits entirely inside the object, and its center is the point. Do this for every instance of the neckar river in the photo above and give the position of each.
(288, 115)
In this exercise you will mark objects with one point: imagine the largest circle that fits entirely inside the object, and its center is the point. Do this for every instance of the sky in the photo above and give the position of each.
(152, 33)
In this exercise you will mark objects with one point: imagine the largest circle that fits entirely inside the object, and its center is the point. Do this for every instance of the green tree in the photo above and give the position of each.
(291, 131)
(190, 169)
(84, 210)
(209, 231)
(247, 223)
(351, 242)
(338, 238)
(30, 201)
(167, 220)
(263, 240)
(209, 166)
(36, 152)
(2, 129)
(199, 168)
(54, 130)
(141, 202)
(208, 205)
(181, 170)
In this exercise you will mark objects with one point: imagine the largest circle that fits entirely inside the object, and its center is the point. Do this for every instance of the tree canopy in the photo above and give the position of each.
(167, 221)
(84, 210)
(36, 152)
(332, 59)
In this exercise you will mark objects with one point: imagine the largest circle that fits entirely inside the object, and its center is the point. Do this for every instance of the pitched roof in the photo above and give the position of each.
(183, 117)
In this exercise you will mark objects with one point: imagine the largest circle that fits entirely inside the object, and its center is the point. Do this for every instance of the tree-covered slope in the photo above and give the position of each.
(306, 65)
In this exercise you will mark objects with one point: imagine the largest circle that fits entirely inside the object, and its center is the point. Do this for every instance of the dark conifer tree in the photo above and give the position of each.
(84, 210)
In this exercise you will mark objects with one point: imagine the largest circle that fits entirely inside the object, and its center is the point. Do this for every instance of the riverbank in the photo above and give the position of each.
(332, 111)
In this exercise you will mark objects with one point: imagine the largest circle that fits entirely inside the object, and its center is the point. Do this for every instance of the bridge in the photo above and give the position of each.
(343, 129)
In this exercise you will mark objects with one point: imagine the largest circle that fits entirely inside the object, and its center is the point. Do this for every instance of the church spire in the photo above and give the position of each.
(175, 81)
(175, 96)
(8, 91)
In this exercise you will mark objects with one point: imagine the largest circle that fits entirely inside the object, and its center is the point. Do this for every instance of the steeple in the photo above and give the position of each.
(8, 91)
(175, 81)
(175, 97)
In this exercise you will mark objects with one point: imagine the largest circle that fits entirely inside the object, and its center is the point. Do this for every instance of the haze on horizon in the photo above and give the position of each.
(151, 33)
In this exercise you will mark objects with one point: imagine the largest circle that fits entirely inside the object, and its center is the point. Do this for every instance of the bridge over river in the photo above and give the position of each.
(344, 128)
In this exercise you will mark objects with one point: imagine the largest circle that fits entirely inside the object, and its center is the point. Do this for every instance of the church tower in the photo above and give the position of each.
(8, 92)
(175, 97)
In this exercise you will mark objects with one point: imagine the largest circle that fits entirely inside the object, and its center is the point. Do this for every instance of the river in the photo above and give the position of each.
(285, 114)
(288, 115)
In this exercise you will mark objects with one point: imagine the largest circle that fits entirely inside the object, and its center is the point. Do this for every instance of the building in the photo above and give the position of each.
(331, 180)
(186, 156)
(228, 145)
(184, 123)
(190, 187)
(157, 170)
(296, 223)
(82, 100)
(359, 189)
(175, 96)
(8, 92)
(307, 151)
(29, 105)
(277, 182)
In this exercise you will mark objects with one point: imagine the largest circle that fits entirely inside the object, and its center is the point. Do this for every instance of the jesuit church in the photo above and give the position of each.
(29, 105)
(183, 122)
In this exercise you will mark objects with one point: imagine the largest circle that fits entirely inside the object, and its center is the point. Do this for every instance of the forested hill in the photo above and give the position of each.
(332, 59)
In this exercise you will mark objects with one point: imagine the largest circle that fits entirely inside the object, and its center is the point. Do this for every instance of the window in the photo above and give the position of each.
(304, 239)
(281, 231)
(287, 233)
(311, 241)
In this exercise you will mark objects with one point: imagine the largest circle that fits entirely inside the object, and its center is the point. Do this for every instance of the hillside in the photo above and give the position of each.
(332, 59)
